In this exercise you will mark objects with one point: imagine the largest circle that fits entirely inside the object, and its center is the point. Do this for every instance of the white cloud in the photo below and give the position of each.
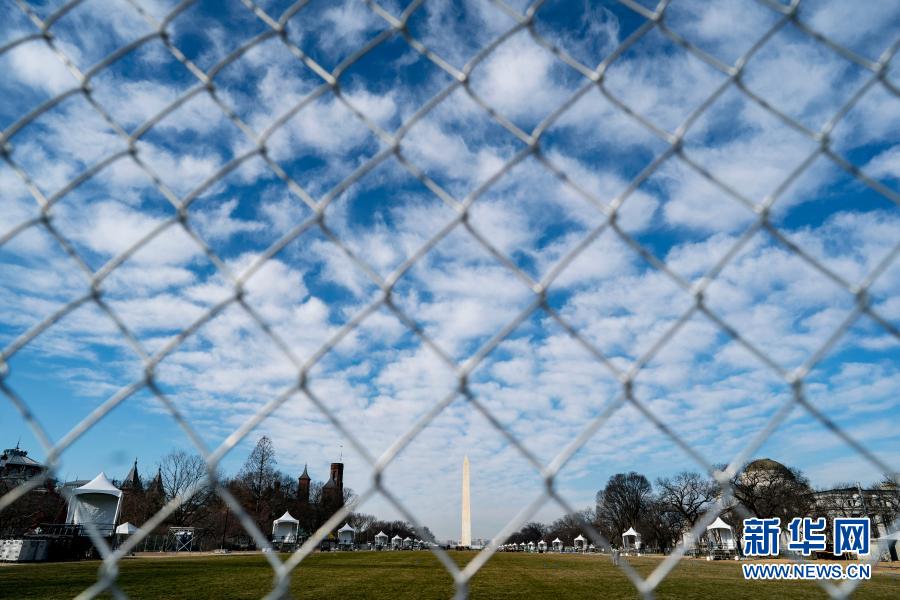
(217, 222)
(516, 79)
(36, 66)
(885, 164)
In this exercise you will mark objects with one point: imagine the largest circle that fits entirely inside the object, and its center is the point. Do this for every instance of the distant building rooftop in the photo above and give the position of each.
(15, 464)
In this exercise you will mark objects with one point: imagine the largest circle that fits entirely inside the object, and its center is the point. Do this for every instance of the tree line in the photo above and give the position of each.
(263, 491)
(662, 514)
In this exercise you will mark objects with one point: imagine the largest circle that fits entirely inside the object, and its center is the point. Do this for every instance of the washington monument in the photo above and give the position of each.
(465, 538)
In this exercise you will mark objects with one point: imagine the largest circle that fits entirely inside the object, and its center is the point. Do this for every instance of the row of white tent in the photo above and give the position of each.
(557, 545)
(284, 529)
(718, 533)
(398, 543)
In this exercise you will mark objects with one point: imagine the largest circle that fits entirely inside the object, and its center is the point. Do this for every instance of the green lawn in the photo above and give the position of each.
(408, 575)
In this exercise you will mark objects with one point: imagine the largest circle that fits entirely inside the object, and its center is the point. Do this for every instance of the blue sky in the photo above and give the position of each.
(539, 383)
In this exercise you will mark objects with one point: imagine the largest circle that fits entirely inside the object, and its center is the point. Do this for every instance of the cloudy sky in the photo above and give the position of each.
(468, 284)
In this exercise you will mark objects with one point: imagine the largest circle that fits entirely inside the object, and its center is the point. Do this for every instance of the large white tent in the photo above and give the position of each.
(557, 545)
(542, 546)
(381, 539)
(631, 540)
(284, 528)
(345, 535)
(396, 542)
(579, 543)
(97, 502)
(720, 534)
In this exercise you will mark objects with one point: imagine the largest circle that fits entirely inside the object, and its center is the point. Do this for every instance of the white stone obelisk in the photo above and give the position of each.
(465, 538)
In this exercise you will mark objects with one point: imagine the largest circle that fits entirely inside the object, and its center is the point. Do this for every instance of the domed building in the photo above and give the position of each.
(16, 466)
(765, 471)
(765, 465)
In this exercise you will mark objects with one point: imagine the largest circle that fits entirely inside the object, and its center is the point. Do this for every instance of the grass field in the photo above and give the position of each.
(409, 575)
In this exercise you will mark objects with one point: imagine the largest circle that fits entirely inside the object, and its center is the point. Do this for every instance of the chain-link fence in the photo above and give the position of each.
(201, 78)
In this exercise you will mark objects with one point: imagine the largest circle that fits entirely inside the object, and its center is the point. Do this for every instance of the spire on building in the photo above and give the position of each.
(303, 487)
(156, 485)
(132, 481)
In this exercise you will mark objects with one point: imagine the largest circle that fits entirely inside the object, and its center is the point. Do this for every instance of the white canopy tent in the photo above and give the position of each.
(720, 535)
(97, 502)
(126, 529)
(407, 542)
(522, 546)
(396, 542)
(631, 540)
(542, 546)
(557, 545)
(531, 546)
(346, 534)
(580, 543)
(284, 528)
(381, 539)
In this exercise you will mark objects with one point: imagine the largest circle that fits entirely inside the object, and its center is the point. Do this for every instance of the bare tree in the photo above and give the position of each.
(361, 521)
(661, 526)
(689, 494)
(258, 472)
(315, 491)
(184, 475)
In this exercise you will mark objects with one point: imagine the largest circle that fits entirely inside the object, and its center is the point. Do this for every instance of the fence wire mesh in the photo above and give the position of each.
(395, 22)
